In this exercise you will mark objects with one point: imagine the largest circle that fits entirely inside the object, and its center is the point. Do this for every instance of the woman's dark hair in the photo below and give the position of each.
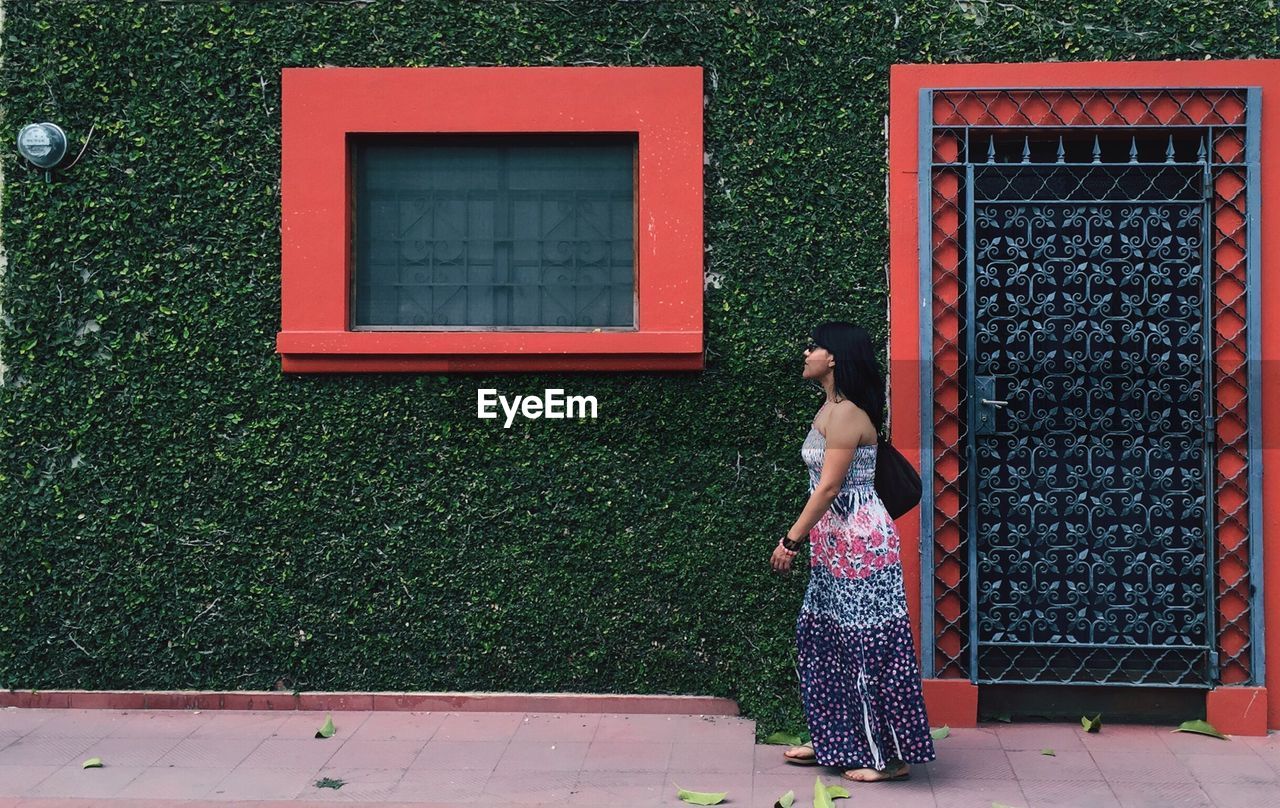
(857, 373)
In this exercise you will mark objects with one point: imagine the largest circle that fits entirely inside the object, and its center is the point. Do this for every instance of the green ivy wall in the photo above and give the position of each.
(176, 513)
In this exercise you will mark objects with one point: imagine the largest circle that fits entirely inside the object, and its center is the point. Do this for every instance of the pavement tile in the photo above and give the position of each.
(606, 788)
(1269, 752)
(63, 723)
(973, 793)
(769, 761)
(172, 784)
(622, 756)
(557, 727)
(536, 788)
(460, 785)
(19, 721)
(970, 765)
(157, 724)
(1241, 795)
(640, 727)
(303, 724)
(1016, 737)
(1191, 743)
(1161, 795)
(1068, 794)
(1121, 737)
(17, 780)
(714, 729)
(370, 754)
(74, 781)
(1077, 766)
(359, 785)
(447, 755)
(45, 751)
(1150, 765)
(264, 784)
(972, 738)
(238, 724)
(897, 794)
(203, 753)
(131, 751)
(478, 726)
(1232, 769)
(291, 753)
(767, 788)
(548, 756)
(713, 756)
(398, 726)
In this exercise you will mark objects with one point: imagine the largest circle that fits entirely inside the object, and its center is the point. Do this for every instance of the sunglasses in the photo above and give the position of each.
(812, 346)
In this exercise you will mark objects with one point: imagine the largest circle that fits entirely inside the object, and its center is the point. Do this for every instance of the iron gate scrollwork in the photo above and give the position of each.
(1089, 500)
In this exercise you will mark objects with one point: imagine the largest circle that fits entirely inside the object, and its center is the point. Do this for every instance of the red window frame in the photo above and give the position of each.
(322, 108)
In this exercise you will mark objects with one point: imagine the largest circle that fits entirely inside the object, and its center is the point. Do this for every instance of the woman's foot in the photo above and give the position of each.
(899, 772)
(801, 755)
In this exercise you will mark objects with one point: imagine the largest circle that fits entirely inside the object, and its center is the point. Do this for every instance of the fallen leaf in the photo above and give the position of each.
(92, 763)
(327, 730)
(1048, 752)
(940, 733)
(701, 797)
(821, 799)
(330, 783)
(1000, 805)
(783, 739)
(1005, 717)
(785, 801)
(1200, 728)
(1091, 724)
(837, 792)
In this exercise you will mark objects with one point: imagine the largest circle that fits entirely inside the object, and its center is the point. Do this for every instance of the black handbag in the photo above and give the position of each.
(897, 483)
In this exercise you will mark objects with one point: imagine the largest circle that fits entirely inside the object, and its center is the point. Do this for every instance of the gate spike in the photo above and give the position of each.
(1168, 154)
(1200, 152)
(991, 149)
(1097, 150)
(1026, 149)
(1133, 149)
(1062, 155)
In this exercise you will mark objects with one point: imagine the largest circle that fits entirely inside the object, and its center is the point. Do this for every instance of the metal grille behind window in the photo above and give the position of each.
(494, 232)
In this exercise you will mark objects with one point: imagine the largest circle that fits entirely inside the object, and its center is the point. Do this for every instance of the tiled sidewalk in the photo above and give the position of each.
(165, 758)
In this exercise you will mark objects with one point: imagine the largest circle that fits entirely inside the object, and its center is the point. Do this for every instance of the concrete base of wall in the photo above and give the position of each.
(953, 702)
(423, 702)
(1237, 710)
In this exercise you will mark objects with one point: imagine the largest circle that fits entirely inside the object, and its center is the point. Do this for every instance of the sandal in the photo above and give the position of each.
(809, 759)
(899, 772)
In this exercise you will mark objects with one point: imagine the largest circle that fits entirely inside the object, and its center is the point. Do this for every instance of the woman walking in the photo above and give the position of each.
(859, 680)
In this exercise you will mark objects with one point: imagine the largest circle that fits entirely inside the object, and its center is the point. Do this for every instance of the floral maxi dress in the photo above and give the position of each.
(859, 680)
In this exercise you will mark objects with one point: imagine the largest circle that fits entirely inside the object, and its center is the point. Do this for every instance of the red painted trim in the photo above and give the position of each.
(953, 702)
(905, 82)
(451, 702)
(322, 106)
(1237, 710)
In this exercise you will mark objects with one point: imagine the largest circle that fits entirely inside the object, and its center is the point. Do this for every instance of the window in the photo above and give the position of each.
(478, 219)
(495, 232)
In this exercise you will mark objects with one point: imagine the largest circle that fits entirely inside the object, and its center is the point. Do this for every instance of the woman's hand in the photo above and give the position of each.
(781, 559)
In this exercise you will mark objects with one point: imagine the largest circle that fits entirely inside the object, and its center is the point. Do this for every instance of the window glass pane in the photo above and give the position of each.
(495, 231)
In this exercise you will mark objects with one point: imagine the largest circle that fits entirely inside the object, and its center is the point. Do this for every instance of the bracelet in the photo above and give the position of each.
(789, 545)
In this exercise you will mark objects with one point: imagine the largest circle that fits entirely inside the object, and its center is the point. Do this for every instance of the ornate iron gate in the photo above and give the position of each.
(1080, 417)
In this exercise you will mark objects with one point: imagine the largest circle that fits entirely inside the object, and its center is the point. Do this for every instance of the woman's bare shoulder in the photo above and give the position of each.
(854, 419)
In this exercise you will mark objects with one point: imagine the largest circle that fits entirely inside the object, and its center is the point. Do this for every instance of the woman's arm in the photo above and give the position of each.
(843, 431)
